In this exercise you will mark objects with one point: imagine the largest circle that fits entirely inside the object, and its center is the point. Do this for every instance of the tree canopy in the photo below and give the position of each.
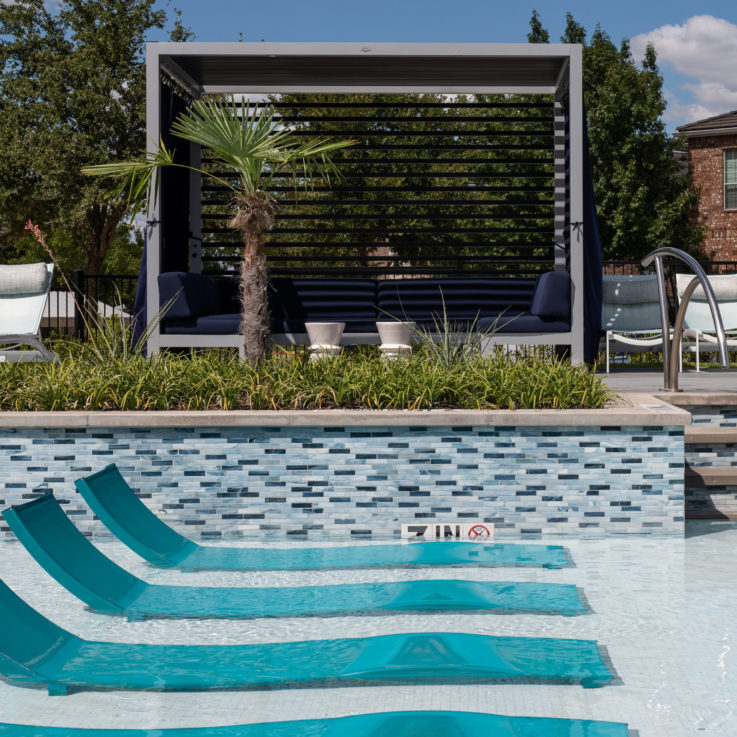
(72, 93)
(643, 197)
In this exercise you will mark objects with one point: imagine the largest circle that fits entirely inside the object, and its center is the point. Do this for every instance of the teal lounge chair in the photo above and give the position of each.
(127, 517)
(389, 724)
(53, 540)
(33, 650)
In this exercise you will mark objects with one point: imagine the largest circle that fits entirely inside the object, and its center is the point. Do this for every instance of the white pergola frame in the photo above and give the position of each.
(545, 69)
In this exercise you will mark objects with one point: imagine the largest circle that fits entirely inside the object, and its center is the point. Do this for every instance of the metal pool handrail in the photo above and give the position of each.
(672, 346)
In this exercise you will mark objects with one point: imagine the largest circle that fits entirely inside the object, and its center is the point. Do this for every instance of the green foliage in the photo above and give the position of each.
(245, 140)
(72, 92)
(643, 198)
(537, 34)
(250, 142)
(448, 343)
(431, 187)
(289, 380)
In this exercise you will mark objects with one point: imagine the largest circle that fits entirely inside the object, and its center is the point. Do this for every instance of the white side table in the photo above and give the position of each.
(324, 339)
(396, 338)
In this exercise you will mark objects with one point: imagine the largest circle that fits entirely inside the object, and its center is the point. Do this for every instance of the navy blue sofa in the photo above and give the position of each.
(205, 306)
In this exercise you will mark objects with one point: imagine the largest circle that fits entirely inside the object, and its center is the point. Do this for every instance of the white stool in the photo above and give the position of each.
(396, 338)
(324, 339)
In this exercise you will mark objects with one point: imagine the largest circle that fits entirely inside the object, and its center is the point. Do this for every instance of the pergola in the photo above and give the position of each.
(273, 68)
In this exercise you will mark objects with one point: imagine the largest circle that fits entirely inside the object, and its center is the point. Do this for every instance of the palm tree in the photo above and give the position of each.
(248, 141)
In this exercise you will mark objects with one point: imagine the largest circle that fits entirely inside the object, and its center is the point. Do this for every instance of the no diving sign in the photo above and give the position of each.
(475, 532)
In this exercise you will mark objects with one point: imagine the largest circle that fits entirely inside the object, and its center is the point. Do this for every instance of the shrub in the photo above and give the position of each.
(358, 379)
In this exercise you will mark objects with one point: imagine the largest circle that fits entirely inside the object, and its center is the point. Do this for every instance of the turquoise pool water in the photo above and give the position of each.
(663, 608)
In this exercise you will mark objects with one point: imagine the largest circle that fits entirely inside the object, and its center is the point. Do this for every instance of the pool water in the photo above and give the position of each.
(664, 609)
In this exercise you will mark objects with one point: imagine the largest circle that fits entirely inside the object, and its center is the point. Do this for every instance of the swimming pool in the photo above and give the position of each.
(664, 609)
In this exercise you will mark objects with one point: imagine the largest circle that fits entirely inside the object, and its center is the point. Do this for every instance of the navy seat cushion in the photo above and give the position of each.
(207, 306)
(223, 324)
(552, 297)
(192, 295)
(508, 323)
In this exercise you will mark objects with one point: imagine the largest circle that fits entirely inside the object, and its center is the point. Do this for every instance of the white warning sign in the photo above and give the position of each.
(474, 532)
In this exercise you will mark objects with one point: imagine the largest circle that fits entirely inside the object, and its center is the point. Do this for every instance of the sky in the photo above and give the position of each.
(696, 42)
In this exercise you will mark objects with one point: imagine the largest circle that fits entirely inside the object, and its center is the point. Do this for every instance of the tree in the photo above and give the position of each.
(72, 92)
(537, 34)
(643, 198)
(255, 148)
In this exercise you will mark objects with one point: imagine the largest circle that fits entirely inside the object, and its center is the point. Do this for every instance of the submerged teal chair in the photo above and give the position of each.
(129, 519)
(35, 651)
(389, 724)
(53, 540)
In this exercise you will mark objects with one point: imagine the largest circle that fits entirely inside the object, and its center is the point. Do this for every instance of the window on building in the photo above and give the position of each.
(730, 179)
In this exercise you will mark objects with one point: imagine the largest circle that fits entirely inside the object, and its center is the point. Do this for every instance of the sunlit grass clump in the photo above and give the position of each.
(359, 379)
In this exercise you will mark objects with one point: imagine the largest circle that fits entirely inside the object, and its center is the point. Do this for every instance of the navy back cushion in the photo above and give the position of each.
(322, 299)
(193, 294)
(552, 297)
(464, 298)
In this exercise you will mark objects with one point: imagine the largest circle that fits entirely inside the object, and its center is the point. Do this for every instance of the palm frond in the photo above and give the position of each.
(137, 176)
(249, 141)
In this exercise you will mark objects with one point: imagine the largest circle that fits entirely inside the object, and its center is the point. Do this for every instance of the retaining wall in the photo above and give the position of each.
(363, 474)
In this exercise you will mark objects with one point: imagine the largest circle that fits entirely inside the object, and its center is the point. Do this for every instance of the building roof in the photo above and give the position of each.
(724, 123)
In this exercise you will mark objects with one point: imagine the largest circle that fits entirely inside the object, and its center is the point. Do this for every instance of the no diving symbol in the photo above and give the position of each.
(478, 531)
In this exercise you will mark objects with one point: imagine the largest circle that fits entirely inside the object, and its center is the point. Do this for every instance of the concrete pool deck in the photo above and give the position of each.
(711, 380)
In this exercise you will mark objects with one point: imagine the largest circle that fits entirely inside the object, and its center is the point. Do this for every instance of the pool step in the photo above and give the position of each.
(711, 490)
(710, 435)
(700, 399)
(711, 475)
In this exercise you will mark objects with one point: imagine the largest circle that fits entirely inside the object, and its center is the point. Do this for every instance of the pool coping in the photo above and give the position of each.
(632, 409)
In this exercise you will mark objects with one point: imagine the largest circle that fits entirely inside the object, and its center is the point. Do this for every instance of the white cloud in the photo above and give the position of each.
(703, 49)
(679, 113)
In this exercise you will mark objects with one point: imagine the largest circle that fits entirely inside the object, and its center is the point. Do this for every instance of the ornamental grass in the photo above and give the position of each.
(289, 380)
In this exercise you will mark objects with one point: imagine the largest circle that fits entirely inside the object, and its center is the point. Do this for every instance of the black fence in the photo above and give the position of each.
(95, 296)
(633, 268)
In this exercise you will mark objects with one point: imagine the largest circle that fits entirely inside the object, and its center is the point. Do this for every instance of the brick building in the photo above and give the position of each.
(712, 166)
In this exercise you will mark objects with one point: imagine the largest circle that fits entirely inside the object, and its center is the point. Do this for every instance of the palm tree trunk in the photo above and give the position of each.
(254, 281)
(254, 218)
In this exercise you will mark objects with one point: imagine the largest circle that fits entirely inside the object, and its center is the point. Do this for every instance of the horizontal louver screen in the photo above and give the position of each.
(433, 186)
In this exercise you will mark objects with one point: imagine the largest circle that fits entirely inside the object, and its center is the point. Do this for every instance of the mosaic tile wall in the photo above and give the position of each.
(358, 482)
(718, 416)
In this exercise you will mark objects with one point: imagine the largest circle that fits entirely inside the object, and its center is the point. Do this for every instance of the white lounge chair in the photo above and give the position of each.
(23, 290)
(630, 315)
(698, 324)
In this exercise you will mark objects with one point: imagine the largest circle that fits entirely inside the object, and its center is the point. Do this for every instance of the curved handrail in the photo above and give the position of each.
(672, 346)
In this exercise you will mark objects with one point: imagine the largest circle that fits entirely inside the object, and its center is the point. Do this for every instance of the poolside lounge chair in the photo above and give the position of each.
(630, 315)
(407, 723)
(35, 651)
(129, 519)
(53, 540)
(698, 324)
(23, 291)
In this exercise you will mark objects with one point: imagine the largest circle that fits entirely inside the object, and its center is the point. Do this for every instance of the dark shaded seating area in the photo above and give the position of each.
(205, 306)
